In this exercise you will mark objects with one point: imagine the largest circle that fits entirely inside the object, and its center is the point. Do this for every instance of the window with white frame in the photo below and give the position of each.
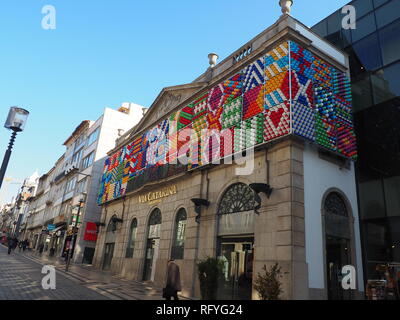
(81, 185)
(77, 156)
(88, 161)
(70, 185)
(93, 136)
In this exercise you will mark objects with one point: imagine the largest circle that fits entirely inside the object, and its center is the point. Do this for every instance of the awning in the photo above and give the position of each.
(56, 229)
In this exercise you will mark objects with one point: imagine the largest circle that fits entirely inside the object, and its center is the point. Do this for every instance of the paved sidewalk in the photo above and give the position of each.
(105, 283)
(21, 279)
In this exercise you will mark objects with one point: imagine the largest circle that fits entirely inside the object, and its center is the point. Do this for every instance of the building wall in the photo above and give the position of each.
(279, 226)
(109, 124)
(374, 54)
(320, 176)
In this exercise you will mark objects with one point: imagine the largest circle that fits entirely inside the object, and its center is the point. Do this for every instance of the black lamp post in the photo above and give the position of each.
(75, 235)
(16, 121)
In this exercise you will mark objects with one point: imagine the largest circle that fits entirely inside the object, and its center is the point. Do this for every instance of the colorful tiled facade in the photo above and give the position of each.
(288, 91)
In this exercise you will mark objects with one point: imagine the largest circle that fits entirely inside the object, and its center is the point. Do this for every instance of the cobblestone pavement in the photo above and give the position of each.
(21, 278)
(80, 282)
(85, 276)
(112, 286)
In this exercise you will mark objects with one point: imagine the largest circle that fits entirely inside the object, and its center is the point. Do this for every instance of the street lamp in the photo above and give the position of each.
(16, 121)
(75, 235)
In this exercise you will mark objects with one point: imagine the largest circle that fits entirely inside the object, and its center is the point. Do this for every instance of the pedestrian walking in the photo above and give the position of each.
(66, 254)
(20, 246)
(41, 247)
(24, 245)
(10, 244)
(15, 243)
(173, 283)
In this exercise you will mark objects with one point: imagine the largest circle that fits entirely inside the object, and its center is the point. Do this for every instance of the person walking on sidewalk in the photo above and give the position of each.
(10, 244)
(24, 245)
(173, 284)
(41, 247)
(15, 243)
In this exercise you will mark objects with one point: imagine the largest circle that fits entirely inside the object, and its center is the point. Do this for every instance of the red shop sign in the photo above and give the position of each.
(90, 232)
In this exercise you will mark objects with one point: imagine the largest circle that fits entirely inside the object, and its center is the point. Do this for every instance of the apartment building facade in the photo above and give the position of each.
(56, 223)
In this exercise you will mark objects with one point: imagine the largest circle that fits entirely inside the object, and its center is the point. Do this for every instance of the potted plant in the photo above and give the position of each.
(267, 284)
(210, 272)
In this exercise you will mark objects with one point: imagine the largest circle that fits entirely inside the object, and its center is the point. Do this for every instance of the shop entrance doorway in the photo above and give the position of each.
(152, 245)
(337, 245)
(337, 256)
(237, 256)
(150, 262)
(108, 255)
(109, 244)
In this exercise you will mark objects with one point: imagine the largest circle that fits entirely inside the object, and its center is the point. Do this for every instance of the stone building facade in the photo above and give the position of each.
(297, 206)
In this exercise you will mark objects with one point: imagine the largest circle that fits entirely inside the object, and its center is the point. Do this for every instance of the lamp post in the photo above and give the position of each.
(16, 121)
(75, 230)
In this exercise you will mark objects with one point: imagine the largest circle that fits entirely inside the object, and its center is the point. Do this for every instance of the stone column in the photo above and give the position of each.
(280, 226)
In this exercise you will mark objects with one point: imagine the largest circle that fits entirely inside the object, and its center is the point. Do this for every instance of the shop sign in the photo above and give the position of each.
(51, 227)
(90, 232)
(156, 196)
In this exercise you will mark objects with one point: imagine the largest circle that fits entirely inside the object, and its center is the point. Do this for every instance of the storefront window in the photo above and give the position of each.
(178, 246)
(132, 238)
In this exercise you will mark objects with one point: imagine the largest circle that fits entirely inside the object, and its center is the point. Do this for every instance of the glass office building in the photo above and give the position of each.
(374, 50)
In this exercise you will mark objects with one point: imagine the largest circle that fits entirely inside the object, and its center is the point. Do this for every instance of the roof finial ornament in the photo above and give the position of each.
(286, 6)
(212, 57)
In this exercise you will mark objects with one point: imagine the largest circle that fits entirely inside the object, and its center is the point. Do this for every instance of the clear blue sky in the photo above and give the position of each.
(103, 53)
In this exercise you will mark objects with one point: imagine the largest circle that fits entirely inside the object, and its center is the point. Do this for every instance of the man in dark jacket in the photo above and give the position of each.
(24, 244)
(173, 281)
(41, 248)
(10, 244)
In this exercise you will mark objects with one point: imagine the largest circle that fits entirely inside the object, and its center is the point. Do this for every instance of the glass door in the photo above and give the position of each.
(149, 264)
(108, 255)
(337, 256)
(237, 258)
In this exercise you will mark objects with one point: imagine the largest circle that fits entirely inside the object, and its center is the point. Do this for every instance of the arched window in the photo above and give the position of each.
(238, 198)
(132, 238)
(236, 210)
(336, 216)
(111, 228)
(153, 245)
(154, 224)
(178, 245)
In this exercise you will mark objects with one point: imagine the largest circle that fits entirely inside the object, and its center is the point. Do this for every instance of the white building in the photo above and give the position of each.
(75, 177)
